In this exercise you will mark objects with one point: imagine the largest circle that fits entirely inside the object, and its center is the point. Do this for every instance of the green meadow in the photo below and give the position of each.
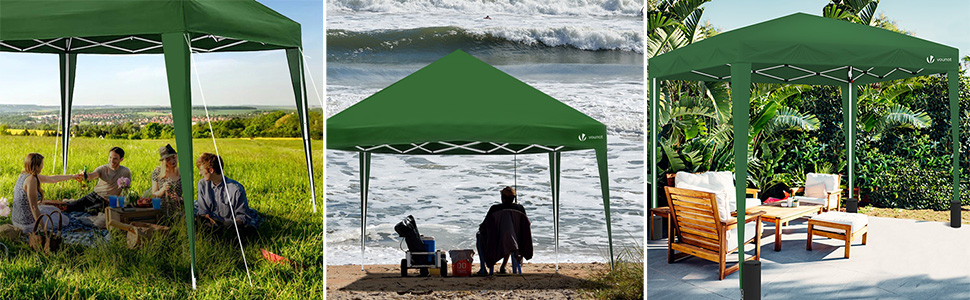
(274, 174)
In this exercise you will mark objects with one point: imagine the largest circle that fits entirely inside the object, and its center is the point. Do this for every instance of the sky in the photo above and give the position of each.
(234, 78)
(942, 21)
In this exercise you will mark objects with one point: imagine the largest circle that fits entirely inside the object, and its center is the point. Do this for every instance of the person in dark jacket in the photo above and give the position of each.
(504, 231)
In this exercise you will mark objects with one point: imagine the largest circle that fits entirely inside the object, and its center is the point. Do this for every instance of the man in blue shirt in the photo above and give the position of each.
(215, 206)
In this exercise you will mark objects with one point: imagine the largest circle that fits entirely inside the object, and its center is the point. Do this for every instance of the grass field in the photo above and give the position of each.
(274, 174)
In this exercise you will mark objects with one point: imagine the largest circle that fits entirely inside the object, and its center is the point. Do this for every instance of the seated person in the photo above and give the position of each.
(213, 207)
(107, 175)
(166, 182)
(491, 245)
(27, 195)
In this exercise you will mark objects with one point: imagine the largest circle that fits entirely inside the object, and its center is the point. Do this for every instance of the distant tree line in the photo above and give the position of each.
(272, 124)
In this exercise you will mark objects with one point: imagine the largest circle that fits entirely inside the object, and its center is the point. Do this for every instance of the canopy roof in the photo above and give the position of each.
(806, 49)
(461, 105)
(135, 26)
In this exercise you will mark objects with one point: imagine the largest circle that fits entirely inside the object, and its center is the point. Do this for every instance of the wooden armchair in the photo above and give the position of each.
(829, 197)
(697, 229)
(664, 211)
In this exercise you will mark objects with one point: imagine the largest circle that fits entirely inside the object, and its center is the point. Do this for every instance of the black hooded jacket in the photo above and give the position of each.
(504, 231)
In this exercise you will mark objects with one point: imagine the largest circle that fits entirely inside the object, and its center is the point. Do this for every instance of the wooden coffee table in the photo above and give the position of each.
(131, 214)
(775, 213)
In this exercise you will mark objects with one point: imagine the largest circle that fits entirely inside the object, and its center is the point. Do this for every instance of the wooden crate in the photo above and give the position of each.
(134, 214)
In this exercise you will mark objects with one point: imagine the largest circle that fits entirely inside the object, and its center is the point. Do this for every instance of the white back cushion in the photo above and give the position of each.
(720, 196)
(724, 181)
(815, 190)
(719, 183)
(830, 180)
(699, 180)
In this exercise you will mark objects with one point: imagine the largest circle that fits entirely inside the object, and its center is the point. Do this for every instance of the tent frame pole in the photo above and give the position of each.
(848, 129)
(554, 171)
(364, 182)
(953, 92)
(177, 67)
(68, 68)
(741, 103)
(295, 62)
(601, 163)
(653, 135)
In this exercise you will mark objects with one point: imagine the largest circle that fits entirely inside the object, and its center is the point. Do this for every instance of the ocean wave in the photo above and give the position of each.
(519, 7)
(433, 39)
(578, 37)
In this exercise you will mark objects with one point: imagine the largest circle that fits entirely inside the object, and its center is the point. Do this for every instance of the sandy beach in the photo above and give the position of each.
(538, 281)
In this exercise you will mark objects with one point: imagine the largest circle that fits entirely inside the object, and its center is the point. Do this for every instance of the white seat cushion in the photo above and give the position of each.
(819, 201)
(748, 203)
(732, 235)
(857, 221)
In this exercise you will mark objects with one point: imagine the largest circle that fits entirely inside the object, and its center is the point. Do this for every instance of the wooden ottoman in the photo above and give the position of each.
(840, 226)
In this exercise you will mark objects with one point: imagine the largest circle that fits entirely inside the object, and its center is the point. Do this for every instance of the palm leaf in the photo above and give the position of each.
(674, 161)
(899, 116)
(867, 12)
(894, 93)
(783, 93)
(762, 119)
(670, 39)
(788, 118)
(720, 97)
(658, 19)
(689, 24)
(838, 12)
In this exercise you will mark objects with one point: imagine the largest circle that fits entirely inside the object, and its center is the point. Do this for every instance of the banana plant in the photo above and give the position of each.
(674, 24)
(856, 11)
(882, 109)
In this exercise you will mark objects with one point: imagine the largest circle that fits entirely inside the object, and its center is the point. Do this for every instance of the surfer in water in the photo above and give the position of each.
(488, 18)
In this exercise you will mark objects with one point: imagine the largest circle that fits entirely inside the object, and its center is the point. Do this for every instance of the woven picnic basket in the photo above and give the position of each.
(47, 241)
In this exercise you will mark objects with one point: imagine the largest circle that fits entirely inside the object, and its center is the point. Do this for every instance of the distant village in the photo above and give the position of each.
(104, 118)
(154, 123)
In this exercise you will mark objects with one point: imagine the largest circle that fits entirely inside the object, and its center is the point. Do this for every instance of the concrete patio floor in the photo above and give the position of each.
(903, 259)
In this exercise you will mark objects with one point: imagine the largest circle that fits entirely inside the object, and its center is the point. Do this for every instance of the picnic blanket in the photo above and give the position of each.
(78, 233)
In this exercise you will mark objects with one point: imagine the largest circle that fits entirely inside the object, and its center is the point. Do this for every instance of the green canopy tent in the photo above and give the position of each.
(803, 49)
(170, 27)
(461, 105)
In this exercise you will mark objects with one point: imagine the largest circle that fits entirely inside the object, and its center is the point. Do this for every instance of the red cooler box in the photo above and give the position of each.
(461, 262)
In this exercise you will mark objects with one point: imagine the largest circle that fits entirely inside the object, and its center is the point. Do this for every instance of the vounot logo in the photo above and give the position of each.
(930, 59)
(583, 137)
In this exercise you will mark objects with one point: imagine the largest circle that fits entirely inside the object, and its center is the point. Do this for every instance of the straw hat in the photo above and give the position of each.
(166, 152)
